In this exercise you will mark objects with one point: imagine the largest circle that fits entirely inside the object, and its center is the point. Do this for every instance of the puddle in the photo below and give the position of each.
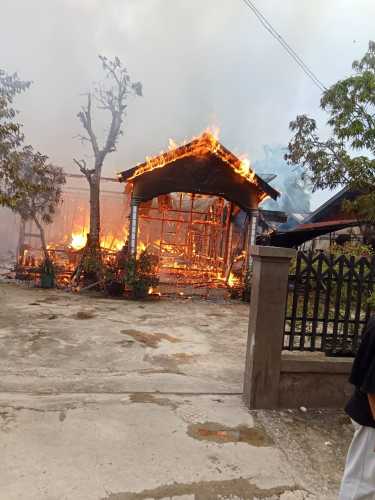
(171, 362)
(149, 339)
(50, 299)
(85, 314)
(6, 420)
(141, 397)
(204, 490)
(218, 433)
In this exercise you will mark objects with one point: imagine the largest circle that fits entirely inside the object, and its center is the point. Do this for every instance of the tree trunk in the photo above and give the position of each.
(42, 238)
(94, 241)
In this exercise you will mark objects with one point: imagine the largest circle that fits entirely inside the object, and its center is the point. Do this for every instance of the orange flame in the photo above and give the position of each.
(108, 241)
(79, 240)
(202, 145)
(232, 280)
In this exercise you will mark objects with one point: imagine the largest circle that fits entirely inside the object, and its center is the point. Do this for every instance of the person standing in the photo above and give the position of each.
(358, 482)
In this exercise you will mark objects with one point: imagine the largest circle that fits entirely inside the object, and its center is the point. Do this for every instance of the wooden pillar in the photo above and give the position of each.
(228, 236)
(266, 325)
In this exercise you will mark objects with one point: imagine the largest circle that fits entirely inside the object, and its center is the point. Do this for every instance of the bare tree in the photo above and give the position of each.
(112, 98)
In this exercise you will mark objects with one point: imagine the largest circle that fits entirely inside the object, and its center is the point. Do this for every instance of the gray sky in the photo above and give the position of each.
(200, 62)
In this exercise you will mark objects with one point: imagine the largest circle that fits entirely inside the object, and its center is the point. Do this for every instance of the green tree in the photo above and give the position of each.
(29, 185)
(11, 136)
(33, 190)
(346, 157)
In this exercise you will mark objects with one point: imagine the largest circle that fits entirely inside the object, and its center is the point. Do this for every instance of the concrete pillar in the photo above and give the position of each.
(253, 224)
(133, 229)
(251, 236)
(266, 325)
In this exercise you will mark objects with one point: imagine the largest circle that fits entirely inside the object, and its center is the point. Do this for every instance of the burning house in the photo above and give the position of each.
(195, 207)
(185, 206)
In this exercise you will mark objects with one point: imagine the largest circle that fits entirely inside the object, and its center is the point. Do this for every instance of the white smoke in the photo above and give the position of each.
(295, 189)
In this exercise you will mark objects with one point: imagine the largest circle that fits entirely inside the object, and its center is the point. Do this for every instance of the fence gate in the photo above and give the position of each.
(327, 302)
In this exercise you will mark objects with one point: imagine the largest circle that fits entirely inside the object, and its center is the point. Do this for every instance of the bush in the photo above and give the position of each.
(352, 248)
(140, 274)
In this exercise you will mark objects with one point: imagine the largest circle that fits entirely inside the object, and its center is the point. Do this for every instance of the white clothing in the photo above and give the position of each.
(358, 482)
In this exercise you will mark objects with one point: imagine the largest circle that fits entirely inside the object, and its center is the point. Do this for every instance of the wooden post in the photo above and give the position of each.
(266, 325)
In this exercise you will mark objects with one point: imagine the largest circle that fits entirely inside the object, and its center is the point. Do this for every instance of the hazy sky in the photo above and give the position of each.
(201, 62)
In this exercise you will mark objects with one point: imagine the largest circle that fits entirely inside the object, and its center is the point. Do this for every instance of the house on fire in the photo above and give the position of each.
(196, 206)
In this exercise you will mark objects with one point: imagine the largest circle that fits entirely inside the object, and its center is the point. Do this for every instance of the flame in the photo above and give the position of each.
(172, 144)
(232, 280)
(141, 247)
(79, 240)
(206, 143)
(152, 291)
(263, 197)
(108, 241)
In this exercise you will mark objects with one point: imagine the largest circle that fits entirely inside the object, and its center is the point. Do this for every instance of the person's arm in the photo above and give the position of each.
(371, 400)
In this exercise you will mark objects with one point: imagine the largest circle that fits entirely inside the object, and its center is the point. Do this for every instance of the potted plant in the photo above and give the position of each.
(47, 274)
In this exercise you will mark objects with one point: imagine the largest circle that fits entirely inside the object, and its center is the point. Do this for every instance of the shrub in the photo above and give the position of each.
(140, 274)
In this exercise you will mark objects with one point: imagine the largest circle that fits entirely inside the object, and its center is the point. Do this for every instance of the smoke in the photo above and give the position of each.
(200, 63)
(295, 189)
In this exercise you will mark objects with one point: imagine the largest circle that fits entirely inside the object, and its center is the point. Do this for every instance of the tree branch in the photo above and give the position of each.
(87, 172)
(86, 120)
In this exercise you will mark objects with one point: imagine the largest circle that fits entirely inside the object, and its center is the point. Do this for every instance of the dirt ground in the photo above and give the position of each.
(118, 400)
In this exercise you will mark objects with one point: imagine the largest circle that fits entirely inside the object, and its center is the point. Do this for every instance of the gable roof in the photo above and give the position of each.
(331, 208)
(203, 146)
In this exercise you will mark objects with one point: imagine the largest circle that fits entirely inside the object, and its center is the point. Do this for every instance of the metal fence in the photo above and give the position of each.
(328, 302)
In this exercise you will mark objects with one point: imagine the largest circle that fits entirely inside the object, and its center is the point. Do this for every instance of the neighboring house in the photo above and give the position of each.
(329, 223)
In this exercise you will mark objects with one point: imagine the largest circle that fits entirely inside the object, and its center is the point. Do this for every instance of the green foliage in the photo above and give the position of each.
(355, 249)
(33, 189)
(140, 274)
(28, 184)
(11, 136)
(333, 162)
(371, 302)
(91, 265)
(35, 186)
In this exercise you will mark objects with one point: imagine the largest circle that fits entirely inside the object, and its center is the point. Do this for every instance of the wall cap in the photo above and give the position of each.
(294, 362)
(272, 252)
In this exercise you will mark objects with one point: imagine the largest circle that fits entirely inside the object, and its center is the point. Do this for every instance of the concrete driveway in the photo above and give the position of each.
(51, 341)
(112, 400)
